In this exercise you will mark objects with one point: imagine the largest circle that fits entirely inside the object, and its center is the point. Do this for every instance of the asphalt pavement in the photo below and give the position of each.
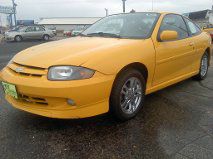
(176, 123)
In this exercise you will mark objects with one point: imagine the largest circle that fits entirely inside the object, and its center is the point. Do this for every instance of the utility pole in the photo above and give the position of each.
(10, 20)
(14, 10)
(0, 26)
(0, 22)
(152, 5)
(124, 6)
(107, 12)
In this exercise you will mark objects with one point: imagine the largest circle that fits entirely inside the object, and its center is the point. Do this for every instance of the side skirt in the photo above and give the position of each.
(170, 82)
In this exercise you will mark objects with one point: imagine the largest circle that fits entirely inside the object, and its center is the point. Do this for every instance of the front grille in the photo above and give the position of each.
(32, 100)
(27, 71)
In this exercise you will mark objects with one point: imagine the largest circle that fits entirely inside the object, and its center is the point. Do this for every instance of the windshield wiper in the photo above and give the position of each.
(102, 34)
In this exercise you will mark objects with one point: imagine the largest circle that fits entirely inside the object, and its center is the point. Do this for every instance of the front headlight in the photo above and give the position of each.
(65, 73)
(9, 35)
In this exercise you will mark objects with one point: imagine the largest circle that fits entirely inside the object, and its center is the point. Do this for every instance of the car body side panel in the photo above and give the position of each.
(38, 34)
(173, 58)
(202, 42)
(29, 35)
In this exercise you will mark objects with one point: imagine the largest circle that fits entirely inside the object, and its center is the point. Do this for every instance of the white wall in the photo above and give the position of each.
(3, 20)
(211, 18)
(64, 27)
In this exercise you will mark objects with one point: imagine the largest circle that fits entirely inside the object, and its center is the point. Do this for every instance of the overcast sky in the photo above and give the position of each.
(35, 9)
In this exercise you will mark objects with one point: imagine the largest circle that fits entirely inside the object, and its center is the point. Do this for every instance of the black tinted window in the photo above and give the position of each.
(193, 28)
(175, 23)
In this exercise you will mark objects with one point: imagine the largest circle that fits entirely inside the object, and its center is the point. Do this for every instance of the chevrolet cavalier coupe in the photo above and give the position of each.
(109, 67)
(209, 29)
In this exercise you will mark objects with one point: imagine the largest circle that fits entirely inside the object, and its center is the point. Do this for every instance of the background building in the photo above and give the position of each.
(202, 18)
(25, 22)
(69, 23)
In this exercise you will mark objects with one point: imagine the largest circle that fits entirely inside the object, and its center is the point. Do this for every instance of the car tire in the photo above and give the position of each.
(204, 66)
(18, 38)
(128, 94)
(46, 37)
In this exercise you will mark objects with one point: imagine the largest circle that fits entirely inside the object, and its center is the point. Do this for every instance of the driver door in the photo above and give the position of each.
(29, 33)
(173, 58)
(39, 32)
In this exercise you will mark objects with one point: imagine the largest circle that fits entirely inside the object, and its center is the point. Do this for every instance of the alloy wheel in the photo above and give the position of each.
(18, 39)
(204, 65)
(46, 37)
(131, 95)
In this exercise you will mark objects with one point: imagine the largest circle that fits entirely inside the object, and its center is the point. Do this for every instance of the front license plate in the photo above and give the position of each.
(10, 89)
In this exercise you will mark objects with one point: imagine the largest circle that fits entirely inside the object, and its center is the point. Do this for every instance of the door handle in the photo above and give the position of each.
(191, 44)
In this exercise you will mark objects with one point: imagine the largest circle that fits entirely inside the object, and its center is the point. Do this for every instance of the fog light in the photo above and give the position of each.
(71, 102)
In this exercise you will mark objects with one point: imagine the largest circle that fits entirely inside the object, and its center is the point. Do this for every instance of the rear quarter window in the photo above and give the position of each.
(193, 28)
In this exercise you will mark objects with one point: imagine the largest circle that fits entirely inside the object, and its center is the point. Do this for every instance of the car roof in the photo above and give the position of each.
(33, 25)
(161, 13)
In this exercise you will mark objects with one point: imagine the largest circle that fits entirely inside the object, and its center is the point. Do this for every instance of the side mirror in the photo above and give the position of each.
(168, 35)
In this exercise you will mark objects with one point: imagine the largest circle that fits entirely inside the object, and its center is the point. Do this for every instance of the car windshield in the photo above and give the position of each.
(16, 28)
(132, 25)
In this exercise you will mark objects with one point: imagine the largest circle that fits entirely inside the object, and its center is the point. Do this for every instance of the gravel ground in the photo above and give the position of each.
(176, 123)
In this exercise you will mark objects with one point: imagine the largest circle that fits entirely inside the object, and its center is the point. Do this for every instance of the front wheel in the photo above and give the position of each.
(127, 97)
(18, 38)
(204, 66)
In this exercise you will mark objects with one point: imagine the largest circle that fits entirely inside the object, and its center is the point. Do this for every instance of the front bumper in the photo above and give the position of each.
(49, 98)
(7, 38)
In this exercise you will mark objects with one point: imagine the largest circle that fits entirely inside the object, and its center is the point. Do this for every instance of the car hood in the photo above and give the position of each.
(72, 51)
(11, 32)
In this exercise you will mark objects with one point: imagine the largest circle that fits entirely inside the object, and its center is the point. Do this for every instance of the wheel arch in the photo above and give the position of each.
(137, 66)
(113, 95)
(45, 35)
(19, 36)
(208, 50)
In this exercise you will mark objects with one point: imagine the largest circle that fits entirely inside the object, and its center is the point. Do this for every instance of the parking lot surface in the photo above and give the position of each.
(176, 123)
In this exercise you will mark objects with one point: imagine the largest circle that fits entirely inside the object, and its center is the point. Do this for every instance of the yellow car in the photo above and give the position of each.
(111, 66)
(209, 29)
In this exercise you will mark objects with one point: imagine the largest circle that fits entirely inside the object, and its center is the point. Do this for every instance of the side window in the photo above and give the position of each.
(38, 28)
(176, 23)
(42, 29)
(193, 28)
(30, 29)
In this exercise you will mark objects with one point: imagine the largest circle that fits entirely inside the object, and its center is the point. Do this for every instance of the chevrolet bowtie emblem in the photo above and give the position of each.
(19, 69)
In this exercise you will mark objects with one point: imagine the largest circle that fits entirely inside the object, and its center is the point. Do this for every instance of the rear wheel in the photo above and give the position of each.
(18, 38)
(127, 97)
(46, 37)
(204, 66)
